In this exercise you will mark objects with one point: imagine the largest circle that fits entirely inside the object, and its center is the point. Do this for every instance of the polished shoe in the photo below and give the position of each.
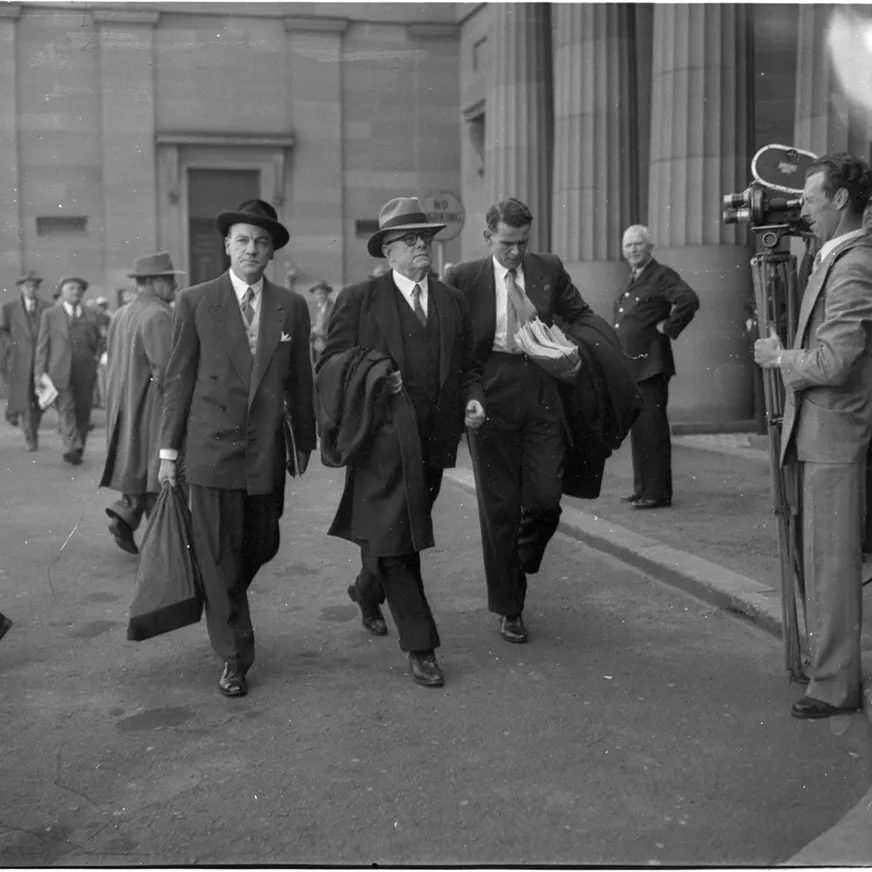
(642, 503)
(809, 707)
(370, 616)
(513, 629)
(5, 625)
(73, 458)
(425, 669)
(631, 498)
(232, 681)
(123, 535)
(32, 445)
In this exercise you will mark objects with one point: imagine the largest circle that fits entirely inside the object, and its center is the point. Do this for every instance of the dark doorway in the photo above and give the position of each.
(211, 192)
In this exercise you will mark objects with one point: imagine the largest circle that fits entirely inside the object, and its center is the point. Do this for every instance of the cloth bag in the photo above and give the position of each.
(169, 588)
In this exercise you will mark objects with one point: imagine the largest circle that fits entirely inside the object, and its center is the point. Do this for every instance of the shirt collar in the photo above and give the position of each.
(635, 273)
(406, 286)
(239, 287)
(828, 247)
(502, 271)
(70, 309)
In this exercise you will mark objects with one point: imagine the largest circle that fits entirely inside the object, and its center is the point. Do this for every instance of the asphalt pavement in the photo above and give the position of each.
(640, 725)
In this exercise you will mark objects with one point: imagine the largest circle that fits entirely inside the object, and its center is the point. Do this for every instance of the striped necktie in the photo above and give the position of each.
(247, 307)
(419, 309)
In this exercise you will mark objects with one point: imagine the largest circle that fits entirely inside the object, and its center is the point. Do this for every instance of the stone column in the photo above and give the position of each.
(11, 254)
(594, 160)
(518, 119)
(126, 41)
(826, 120)
(700, 150)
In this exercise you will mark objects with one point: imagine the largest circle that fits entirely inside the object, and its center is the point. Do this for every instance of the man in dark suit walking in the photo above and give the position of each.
(19, 327)
(518, 453)
(239, 358)
(654, 309)
(424, 327)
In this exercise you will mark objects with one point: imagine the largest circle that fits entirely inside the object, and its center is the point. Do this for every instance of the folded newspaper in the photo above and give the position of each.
(549, 347)
(46, 392)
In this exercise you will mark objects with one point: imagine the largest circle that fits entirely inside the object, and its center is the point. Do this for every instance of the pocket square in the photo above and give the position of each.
(286, 337)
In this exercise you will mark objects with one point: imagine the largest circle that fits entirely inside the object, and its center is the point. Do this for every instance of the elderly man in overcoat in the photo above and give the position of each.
(68, 348)
(238, 369)
(138, 351)
(19, 326)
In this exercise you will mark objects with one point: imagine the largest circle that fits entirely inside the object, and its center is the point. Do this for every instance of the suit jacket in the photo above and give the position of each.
(225, 408)
(657, 294)
(18, 335)
(53, 352)
(366, 314)
(828, 372)
(139, 342)
(546, 284)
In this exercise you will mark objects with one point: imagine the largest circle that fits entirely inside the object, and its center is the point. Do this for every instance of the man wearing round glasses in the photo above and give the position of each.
(424, 326)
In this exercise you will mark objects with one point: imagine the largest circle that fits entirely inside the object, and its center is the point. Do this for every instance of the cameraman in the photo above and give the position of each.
(827, 424)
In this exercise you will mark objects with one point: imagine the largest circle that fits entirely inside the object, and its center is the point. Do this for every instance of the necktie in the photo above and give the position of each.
(419, 309)
(518, 310)
(247, 307)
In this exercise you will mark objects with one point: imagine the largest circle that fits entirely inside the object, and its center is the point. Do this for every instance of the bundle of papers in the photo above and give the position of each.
(549, 347)
(46, 392)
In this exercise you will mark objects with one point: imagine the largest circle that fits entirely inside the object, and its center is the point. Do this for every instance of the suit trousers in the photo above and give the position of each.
(234, 535)
(131, 508)
(517, 459)
(398, 580)
(74, 407)
(30, 419)
(651, 443)
(832, 533)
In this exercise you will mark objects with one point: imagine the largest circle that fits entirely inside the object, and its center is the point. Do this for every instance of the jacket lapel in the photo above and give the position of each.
(384, 307)
(228, 320)
(441, 303)
(535, 285)
(19, 314)
(269, 332)
(488, 305)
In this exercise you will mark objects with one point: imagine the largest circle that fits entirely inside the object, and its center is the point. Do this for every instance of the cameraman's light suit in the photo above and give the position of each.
(828, 423)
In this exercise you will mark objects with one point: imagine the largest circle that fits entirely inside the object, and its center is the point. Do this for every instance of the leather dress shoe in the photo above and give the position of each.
(808, 707)
(5, 625)
(232, 681)
(425, 669)
(642, 503)
(513, 629)
(73, 458)
(370, 615)
(123, 535)
(631, 498)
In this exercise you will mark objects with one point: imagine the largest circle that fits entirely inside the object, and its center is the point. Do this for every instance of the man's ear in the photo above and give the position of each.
(840, 198)
(487, 234)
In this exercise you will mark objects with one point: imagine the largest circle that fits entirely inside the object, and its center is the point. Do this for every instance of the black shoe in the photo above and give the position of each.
(370, 616)
(32, 445)
(652, 504)
(5, 625)
(513, 629)
(807, 707)
(425, 669)
(123, 535)
(73, 458)
(232, 681)
(631, 498)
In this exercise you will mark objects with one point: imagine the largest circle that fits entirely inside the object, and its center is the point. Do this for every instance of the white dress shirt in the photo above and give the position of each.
(502, 294)
(29, 305)
(406, 288)
(828, 247)
(71, 312)
(240, 287)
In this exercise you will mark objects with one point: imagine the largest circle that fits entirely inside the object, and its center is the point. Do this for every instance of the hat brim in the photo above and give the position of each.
(81, 282)
(155, 275)
(226, 220)
(24, 279)
(374, 246)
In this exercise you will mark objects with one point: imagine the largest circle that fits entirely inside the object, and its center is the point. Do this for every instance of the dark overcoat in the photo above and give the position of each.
(138, 351)
(18, 334)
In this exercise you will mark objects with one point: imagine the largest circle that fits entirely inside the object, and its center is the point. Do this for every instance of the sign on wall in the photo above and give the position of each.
(445, 208)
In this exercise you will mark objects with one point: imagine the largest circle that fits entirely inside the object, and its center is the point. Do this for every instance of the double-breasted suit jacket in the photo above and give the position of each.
(18, 336)
(222, 407)
(53, 351)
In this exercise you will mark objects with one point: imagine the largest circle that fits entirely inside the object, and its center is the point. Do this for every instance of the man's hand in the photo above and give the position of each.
(660, 327)
(475, 415)
(395, 382)
(302, 461)
(167, 473)
(767, 352)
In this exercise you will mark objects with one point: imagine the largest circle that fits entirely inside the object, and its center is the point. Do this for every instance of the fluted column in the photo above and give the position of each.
(826, 120)
(594, 161)
(518, 117)
(10, 222)
(700, 150)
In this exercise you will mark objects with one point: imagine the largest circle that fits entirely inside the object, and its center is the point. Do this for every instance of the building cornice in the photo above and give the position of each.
(432, 31)
(124, 16)
(264, 140)
(315, 25)
(10, 10)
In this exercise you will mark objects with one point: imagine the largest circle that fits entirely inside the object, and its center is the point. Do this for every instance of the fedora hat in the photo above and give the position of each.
(259, 213)
(30, 276)
(66, 279)
(152, 265)
(402, 213)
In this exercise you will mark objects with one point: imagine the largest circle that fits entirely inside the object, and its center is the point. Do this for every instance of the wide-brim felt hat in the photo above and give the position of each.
(66, 279)
(259, 213)
(30, 276)
(401, 213)
(154, 265)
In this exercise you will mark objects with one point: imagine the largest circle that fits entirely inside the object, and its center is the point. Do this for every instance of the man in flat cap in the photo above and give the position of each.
(19, 326)
(68, 348)
(138, 351)
(423, 327)
(239, 360)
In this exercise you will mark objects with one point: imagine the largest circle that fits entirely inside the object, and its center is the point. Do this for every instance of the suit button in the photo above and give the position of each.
(620, 310)
(616, 324)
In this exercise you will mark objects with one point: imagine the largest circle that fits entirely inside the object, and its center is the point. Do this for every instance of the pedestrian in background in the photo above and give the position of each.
(827, 424)
(19, 329)
(654, 309)
(100, 310)
(68, 348)
(138, 351)
(239, 363)
(324, 303)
